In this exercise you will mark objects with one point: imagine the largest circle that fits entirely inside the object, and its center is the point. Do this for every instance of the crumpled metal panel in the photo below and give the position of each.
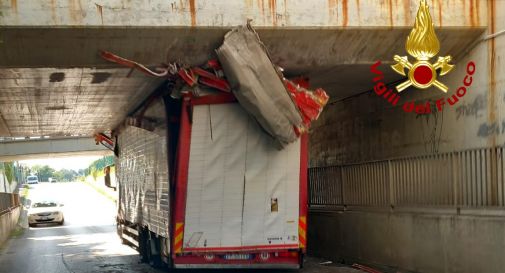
(257, 85)
(142, 173)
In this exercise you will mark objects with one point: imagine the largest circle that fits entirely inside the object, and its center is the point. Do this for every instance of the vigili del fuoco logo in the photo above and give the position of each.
(422, 44)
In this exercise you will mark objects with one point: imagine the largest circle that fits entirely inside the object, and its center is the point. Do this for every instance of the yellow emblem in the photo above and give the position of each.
(422, 44)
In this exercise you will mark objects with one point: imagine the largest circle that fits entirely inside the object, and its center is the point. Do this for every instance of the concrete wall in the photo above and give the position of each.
(271, 13)
(366, 127)
(417, 242)
(8, 222)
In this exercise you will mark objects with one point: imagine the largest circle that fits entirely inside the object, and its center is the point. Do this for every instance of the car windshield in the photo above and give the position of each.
(32, 178)
(47, 204)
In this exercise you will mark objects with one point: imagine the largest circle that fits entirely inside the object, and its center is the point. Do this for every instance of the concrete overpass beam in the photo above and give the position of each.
(32, 149)
(223, 13)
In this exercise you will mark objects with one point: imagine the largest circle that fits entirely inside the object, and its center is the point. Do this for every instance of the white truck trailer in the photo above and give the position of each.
(201, 185)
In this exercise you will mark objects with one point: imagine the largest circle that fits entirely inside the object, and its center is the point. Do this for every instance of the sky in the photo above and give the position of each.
(58, 163)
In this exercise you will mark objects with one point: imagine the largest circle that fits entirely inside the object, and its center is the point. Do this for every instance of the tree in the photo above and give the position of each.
(58, 175)
(65, 175)
(43, 172)
(9, 171)
(68, 175)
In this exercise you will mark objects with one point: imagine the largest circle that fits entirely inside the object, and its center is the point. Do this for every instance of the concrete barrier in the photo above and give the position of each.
(8, 221)
(411, 241)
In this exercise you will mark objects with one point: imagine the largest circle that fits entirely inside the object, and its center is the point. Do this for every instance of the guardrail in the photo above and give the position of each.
(8, 201)
(465, 179)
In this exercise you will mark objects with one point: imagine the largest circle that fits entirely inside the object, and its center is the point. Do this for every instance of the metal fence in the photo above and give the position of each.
(472, 178)
(8, 201)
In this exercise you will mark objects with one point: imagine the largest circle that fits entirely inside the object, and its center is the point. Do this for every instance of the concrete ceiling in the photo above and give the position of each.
(67, 101)
(52, 81)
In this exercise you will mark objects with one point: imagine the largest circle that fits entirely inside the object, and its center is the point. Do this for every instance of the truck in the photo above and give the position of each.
(201, 185)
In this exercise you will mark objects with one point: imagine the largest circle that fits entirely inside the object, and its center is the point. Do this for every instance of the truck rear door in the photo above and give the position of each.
(242, 192)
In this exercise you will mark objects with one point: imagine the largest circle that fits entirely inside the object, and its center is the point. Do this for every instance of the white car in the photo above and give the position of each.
(32, 179)
(45, 212)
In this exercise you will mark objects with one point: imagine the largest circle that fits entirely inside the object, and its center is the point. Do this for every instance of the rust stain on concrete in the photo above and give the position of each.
(345, 17)
(192, 11)
(53, 12)
(491, 105)
(14, 6)
(261, 8)
(472, 13)
(477, 12)
(391, 23)
(406, 12)
(359, 11)
(272, 5)
(100, 11)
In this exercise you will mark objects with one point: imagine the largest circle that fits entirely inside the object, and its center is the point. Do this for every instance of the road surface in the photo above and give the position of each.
(87, 242)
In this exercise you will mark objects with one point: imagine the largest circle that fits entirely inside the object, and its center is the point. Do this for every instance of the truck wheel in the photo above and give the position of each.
(153, 253)
(143, 241)
(301, 260)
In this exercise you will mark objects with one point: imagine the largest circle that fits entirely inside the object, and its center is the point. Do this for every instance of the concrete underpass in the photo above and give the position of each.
(398, 188)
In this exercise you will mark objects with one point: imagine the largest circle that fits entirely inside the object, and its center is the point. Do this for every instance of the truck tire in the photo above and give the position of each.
(143, 238)
(301, 260)
(153, 253)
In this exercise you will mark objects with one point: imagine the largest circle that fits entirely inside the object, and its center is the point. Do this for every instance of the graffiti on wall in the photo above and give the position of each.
(490, 129)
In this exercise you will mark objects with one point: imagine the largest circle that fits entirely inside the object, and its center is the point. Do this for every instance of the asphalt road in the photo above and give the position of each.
(87, 242)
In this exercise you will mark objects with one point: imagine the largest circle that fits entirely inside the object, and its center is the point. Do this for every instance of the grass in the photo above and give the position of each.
(101, 191)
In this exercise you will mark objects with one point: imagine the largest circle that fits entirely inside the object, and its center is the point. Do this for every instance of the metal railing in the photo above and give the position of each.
(8, 201)
(472, 178)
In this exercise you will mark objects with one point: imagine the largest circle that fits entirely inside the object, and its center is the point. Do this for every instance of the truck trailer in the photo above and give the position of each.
(201, 185)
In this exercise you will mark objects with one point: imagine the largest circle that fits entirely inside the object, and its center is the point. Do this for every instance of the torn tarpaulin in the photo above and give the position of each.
(260, 89)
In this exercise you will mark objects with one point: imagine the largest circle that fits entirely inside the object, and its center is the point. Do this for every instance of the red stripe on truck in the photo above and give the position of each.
(182, 167)
(303, 190)
(239, 248)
